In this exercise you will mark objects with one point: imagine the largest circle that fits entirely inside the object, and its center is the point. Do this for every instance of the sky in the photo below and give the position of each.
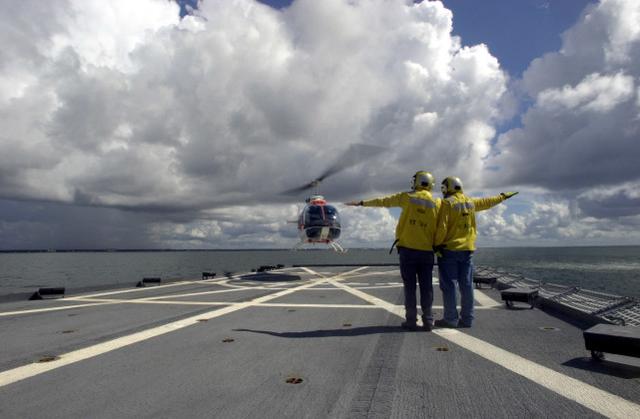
(154, 124)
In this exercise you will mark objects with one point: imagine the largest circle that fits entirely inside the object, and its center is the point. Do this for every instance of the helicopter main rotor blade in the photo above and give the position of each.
(300, 189)
(355, 154)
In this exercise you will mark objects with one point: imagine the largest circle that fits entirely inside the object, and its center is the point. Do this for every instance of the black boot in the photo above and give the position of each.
(443, 323)
(426, 325)
(411, 326)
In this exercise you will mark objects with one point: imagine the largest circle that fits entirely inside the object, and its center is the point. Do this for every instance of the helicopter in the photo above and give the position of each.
(319, 222)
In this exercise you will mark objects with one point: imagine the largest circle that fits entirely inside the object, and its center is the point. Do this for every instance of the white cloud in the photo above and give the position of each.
(553, 221)
(194, 125)
(368, 227)
(122, 104)
(127, 106)
(267, 226)
(594, 93)
(582, 129)
(604, 40)
(104, 35)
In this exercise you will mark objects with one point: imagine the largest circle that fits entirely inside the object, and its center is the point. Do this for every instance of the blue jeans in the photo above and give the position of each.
(417, 264)
(457, 266)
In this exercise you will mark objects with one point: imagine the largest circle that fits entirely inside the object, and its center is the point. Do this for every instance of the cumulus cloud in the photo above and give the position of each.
(579, 139)
(618, 201)
(126, 126)
(129, 106)
(554, 220)
(270, 226)
(595, 93)
(368, 227)
(582, 129)
(124, 105)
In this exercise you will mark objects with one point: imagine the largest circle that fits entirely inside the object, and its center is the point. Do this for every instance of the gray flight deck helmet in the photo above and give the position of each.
(422, 181)
(451, 185)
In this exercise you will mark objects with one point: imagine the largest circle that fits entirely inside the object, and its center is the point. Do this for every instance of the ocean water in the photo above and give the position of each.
(613, 270)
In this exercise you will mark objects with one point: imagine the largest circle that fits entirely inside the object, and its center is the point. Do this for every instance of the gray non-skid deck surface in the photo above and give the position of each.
(354, 361)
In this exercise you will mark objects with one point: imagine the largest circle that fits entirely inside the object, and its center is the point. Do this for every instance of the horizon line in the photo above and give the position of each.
(124, 250)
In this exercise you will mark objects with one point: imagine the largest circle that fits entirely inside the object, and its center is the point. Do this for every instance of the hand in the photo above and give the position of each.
(354, 203)
(507, 195)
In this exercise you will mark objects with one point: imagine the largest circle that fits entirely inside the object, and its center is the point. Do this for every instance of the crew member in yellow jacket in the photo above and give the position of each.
(414, 238)
(455, 242)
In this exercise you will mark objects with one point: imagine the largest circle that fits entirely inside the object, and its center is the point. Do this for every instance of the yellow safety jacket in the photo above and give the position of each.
(417, 224)
(456, 228)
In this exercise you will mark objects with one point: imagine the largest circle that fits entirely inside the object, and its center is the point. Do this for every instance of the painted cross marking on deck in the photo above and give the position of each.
(30, 370)
(589, 396)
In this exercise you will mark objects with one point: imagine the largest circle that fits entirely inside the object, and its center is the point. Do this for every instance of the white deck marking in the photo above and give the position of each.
(303, 305)
(226, 303)
(484, 300)
(396, 308)
(367, 297)
(141, 289)
(173, 284)
(373, 273)
(191, 294)
(92, 301)
(585, 394)
(30, 370)
(312, 272)
(42, 310)
(589, 396)
(173, 302)
(359, 287)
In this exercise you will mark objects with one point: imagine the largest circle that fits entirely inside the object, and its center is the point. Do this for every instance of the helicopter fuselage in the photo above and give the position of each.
(319, 222)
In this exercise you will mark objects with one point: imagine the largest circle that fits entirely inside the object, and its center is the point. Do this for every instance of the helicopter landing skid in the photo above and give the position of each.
(337, 247)
(334, 245)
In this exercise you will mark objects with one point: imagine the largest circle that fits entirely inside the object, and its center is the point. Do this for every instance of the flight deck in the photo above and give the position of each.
(316, 341)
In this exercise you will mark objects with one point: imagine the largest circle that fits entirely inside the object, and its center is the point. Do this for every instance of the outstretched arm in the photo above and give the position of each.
(482, 204)
(395, 200)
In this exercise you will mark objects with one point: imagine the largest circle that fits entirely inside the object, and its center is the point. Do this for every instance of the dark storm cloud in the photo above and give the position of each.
(44, 225)
(620, 202)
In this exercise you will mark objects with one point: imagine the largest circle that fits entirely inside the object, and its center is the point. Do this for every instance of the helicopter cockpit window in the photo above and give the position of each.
(321, 215)
(330, 211)
(332, 214)
(314, 215)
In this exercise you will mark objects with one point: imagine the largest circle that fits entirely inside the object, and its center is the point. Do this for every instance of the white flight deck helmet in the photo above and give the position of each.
(422, 181)
(451, 185)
